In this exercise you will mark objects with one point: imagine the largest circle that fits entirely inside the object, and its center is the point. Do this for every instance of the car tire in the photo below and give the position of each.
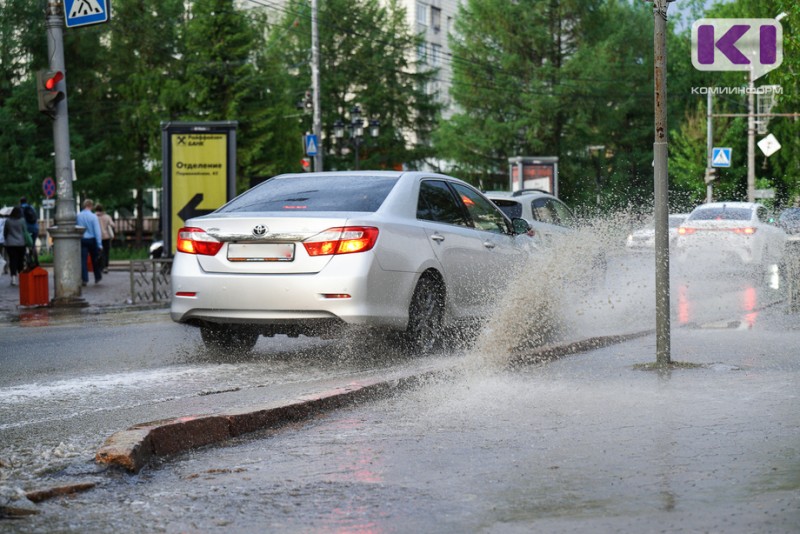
(228, 337)
(425, 331)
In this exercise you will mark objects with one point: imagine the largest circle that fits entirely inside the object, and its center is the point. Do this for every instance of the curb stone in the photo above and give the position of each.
(134, 448)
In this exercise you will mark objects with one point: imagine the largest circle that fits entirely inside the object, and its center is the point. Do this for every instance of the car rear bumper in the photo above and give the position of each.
(351, 289)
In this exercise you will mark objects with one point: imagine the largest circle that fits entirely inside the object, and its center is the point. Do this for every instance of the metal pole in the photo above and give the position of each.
(660, 179)
(66, 235)
(709, 145)
(317, 126)
(751, 141)
(357, 143)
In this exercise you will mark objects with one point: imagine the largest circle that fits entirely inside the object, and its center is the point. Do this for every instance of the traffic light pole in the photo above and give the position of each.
(66, 235)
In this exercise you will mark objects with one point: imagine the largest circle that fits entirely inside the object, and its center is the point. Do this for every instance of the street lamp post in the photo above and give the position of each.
(355, 128)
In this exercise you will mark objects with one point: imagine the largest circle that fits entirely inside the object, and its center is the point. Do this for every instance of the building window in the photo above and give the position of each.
(422, 52)
(422, 13)
(436, 54)
(436, 18)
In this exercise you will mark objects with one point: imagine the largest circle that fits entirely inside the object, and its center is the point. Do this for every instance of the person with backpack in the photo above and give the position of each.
(14, 234)
(31, 220)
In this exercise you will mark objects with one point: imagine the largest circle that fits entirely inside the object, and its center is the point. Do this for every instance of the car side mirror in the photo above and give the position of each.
(521, 226)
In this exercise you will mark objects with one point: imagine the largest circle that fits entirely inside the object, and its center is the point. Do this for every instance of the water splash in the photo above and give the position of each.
(556, 284)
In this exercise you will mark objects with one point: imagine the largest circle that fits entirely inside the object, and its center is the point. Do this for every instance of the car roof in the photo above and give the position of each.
(509, 195)
(717, 205)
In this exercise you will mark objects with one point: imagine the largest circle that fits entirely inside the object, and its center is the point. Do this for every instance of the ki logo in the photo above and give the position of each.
(737, 44)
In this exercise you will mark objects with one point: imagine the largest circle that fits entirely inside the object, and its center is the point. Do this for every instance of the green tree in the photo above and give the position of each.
(25, 134)
(364, 60)
(120, 98)
(228, 77)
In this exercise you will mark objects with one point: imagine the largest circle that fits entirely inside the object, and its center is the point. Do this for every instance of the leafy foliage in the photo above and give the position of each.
(364, 60)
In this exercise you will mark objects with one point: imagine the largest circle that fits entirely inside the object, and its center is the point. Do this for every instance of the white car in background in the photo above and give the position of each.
(315, 253)
(742, 232)
(548, 216)
(645, 238)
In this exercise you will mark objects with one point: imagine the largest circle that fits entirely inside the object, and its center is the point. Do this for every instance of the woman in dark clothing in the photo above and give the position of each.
(14, 234)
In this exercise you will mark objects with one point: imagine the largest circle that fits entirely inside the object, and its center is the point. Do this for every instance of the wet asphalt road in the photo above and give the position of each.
(574, 445)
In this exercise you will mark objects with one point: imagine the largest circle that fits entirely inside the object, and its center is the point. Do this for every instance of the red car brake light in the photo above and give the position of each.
(196, 241)
(686, 231)
(341, 240)
(748, 230)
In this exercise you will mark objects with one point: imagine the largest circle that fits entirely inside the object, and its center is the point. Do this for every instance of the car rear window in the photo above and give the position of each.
(721, 214)
(314, 193)
(511, 208)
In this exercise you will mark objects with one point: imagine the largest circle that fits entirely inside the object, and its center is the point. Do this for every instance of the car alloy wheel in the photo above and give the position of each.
(426, 316)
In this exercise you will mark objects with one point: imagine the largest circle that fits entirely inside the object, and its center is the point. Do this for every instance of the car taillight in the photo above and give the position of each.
(197, 241)
(749, 230)
(686, 231)
(341, 240)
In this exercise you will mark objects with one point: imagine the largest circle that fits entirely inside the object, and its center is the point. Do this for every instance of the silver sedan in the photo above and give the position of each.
(314, 253)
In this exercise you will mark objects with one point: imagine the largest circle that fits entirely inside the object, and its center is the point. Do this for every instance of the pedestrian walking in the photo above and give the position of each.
(91, 242)
(4, 213)
(14, 236)
(107, 228)
(31, 221)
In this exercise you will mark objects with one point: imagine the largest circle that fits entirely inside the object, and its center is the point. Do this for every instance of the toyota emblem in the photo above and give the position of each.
(259, 230)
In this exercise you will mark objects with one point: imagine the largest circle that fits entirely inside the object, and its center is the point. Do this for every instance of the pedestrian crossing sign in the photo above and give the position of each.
(721, 157)
(311, 145)
(84, 12)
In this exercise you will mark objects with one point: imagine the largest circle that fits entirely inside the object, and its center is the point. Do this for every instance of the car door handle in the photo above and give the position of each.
(437, 237)
(488, 244)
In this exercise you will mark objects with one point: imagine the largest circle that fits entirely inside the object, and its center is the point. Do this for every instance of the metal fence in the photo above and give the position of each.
(150, 280)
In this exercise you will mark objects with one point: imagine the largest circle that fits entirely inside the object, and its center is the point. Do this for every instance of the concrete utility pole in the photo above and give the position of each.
(709, 147)
(66, 236)
(661, 184)
(317, 119)
(751, 140)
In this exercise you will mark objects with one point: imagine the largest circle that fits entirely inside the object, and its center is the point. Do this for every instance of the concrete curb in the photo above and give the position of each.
(134, 448)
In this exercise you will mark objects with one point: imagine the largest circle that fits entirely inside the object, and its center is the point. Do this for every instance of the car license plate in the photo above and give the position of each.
(260, 251)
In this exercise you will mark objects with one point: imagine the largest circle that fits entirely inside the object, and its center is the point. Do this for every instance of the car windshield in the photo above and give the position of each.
(314, 193)
(721, 214)
(511, 208)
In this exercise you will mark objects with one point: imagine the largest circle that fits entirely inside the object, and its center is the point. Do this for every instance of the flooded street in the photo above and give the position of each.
(581, 443)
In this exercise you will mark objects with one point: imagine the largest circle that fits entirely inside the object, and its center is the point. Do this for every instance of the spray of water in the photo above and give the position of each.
(557, 281)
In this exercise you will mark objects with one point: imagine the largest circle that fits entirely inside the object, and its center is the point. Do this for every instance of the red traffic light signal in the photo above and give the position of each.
(46, 87)
(306, 163)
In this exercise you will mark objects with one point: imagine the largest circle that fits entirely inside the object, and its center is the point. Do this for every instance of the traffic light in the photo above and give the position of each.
(711, 175)
(306, 163)
(46, 87)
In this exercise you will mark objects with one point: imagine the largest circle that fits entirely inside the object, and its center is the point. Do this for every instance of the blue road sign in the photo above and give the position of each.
(720, 157)
(311, 145)
(84, 12)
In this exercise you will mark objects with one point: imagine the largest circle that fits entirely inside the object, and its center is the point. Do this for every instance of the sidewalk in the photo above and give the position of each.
(113, 291)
